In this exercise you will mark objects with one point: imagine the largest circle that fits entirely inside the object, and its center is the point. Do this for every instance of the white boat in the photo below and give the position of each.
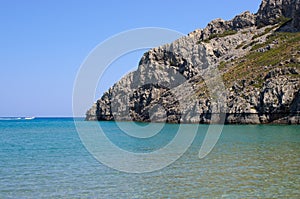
(29, 118)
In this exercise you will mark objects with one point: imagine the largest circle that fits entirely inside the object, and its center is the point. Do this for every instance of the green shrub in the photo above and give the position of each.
(218, 35)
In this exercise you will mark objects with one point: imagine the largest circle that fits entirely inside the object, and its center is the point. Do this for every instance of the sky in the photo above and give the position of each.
(44, 43)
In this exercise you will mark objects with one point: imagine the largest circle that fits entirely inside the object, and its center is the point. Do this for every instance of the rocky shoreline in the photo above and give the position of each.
(247, 69)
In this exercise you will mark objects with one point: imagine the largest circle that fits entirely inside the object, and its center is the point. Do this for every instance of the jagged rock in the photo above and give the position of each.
(177, 82)
(265, 49)
(243, 20)
(272, 11)
(216, 26)
(219, 26)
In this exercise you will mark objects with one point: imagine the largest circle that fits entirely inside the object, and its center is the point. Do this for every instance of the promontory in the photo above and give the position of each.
(245, 71)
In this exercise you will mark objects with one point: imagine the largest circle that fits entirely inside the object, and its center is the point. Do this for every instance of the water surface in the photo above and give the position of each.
(44, 158)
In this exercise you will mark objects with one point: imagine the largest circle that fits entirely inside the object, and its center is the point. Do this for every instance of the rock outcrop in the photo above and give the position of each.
(245, 70)
(272, 11)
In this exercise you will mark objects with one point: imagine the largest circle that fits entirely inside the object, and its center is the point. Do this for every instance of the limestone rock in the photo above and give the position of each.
(272, 11)
(178, 82)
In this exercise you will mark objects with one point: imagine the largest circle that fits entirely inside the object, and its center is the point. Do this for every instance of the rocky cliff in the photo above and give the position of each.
(245, 70)
(271, 11)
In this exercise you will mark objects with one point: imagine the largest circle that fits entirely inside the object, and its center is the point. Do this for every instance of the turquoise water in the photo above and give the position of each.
(44, 158)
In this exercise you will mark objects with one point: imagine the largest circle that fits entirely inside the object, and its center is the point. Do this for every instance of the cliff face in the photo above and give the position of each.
(271, 11)
(252, 54)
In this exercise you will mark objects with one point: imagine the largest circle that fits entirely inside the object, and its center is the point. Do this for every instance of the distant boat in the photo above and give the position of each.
(29, 118)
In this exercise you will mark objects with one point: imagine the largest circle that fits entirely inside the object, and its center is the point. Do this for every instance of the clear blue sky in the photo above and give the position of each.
(43, 43)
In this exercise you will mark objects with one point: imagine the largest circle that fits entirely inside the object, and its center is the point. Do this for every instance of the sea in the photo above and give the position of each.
(47, 158)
